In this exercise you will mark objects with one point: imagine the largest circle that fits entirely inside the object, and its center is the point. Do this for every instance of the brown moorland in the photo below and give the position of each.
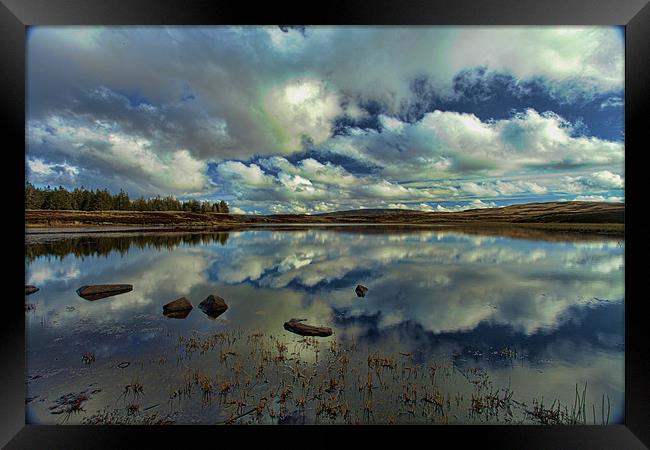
(582, 217)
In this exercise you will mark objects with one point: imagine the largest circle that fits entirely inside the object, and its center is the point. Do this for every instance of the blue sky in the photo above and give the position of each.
(318, 119)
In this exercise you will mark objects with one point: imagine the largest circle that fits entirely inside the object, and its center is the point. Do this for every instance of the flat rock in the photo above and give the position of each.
(178, 305)
(29, 289)
(296, 326)
(97, 291)
(213, 306)
(177, 314)
(361, 290)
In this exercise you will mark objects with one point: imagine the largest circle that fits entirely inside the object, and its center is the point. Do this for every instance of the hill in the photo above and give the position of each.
(582, 217)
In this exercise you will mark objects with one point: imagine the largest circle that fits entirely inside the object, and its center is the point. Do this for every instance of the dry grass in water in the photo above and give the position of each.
(261, 378)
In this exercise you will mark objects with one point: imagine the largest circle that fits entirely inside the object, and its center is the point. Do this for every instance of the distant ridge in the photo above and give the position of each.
(370, 212)
(530, 213)
(559, 212)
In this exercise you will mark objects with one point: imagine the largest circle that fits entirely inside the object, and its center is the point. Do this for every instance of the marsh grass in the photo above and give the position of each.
(558, 414)
(260, 378)
(134, 389)
(118, 417)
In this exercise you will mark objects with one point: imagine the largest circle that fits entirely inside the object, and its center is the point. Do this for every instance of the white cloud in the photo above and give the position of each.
(41, 170)
(592, 55)
(140, 116)
(269, 87)
(474, 204)
(289, 208)
(386, 189)
(599, 198)
(326, 173)
(251, 175)
(301, 108)
(608, 179)
(612, 102)
(290, 40)
(444, 143)
(595, 182)
(501, 188)
(111, 153)
(431, 153)
(391, 124)
(295, 183)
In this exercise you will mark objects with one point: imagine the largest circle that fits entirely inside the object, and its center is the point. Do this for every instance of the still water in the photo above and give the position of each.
(455, 328)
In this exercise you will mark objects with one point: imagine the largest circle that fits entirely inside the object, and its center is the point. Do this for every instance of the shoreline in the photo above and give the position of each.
(585, 218)
(543, 232)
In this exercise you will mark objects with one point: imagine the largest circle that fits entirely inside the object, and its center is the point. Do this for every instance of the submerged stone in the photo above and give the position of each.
(295, 326)
(97, 291)
(361, 290)
(178, 305)
(177, 314)
(29, 289)
(213, 306)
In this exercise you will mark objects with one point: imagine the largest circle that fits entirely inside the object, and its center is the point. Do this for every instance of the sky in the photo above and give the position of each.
(280, 119)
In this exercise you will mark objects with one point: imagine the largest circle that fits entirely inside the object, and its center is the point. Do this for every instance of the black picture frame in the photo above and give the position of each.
(16, 15)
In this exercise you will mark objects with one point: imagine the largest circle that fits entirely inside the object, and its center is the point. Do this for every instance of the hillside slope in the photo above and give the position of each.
(532, 213)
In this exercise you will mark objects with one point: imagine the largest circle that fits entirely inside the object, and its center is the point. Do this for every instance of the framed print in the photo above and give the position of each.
(396, 214)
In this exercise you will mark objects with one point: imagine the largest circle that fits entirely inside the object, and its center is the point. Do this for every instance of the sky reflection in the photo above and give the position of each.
(560, 304)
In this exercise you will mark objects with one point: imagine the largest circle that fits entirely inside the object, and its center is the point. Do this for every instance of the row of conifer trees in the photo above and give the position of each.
(82, 199)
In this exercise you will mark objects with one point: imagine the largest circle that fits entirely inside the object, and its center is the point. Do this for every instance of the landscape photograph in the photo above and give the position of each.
(325, 225)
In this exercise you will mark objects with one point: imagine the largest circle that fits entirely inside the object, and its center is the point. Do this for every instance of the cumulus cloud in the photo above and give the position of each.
(327, 173)
(598, 198)
(129, 109)
(417, 163)
(302, 109)
(251, 175)
(444, 143)
(247, 72)
(42, 171)
(597, 181)
(577, 60)
(114, 154)
(612, 102)
(474, 204)
(499, 188)
(386, 189)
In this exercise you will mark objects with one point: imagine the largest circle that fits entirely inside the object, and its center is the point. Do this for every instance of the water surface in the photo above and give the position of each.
(455, 328)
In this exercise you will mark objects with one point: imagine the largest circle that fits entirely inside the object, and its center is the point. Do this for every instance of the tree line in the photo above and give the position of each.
(82, 199)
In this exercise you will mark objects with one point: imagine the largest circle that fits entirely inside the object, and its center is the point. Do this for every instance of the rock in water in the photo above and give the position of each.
(177, 314)
(179, 305)
(97, 291)
(295, 326)
(29, 289)
(361, 290)
(213, 306)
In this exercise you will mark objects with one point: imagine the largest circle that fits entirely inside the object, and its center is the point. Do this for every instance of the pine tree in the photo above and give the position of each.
(33, 197)
(81, 199)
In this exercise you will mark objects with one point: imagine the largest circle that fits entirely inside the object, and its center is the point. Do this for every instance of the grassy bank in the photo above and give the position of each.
(571, 217)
